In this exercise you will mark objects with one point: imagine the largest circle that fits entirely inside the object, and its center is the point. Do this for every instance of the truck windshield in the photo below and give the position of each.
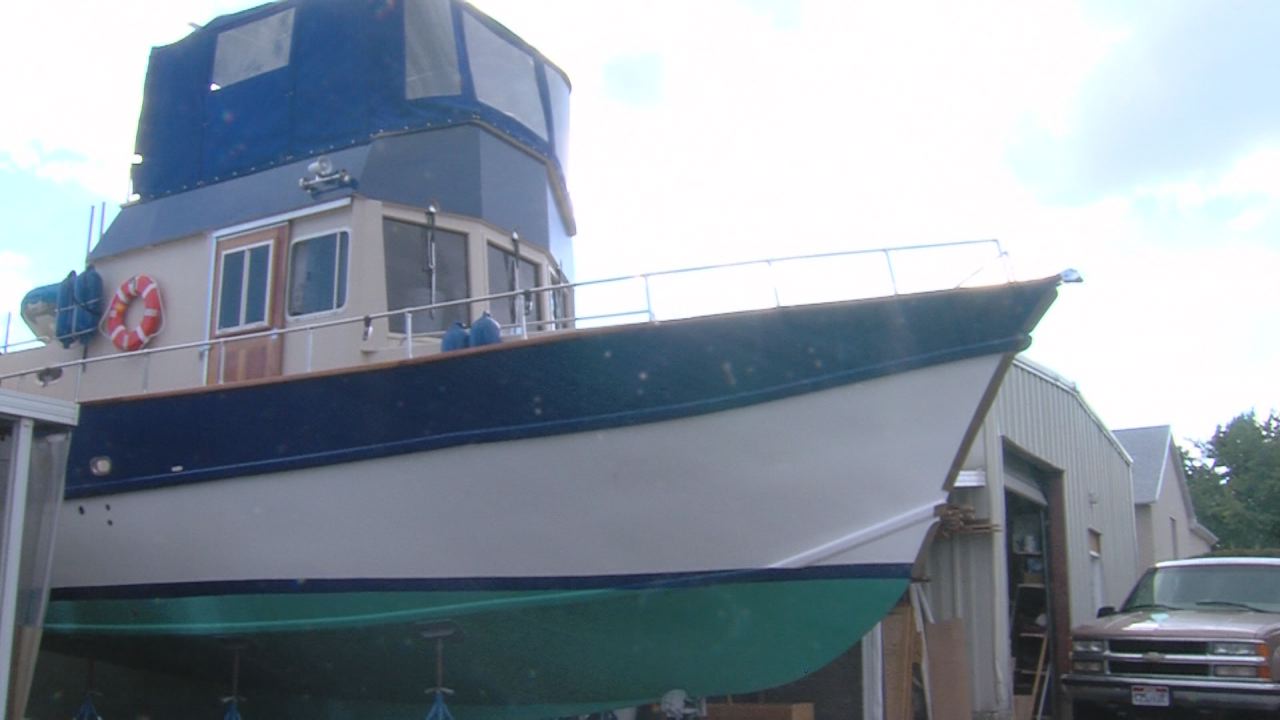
(1246, 587)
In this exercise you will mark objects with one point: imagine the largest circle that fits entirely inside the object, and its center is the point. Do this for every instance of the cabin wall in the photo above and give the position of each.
(184, 271)
(180, 269)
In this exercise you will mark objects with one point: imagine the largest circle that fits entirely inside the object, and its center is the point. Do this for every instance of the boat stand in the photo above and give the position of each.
(232, 701)
(439, 633)
(87, 711)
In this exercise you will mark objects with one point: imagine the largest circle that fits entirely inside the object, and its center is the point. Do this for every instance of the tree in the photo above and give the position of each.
(1235, 483)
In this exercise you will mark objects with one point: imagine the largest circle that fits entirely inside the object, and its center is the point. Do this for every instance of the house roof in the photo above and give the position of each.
(1149, 447)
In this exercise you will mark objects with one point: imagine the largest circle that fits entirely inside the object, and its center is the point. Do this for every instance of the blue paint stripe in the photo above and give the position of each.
(643, 581)
(549, 428)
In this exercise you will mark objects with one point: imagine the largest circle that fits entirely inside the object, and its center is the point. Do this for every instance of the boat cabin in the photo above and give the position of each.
(306, 172)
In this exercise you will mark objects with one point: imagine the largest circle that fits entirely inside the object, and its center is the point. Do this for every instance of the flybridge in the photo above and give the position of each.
(294, 79)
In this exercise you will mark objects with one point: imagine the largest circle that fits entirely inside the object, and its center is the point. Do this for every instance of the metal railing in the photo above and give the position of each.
(523, 325)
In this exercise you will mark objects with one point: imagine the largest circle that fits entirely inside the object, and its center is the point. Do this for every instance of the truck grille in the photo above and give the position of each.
(1164, 647)
(1122, 667)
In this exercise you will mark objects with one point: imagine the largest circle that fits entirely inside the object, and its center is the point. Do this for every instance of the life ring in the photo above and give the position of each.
(130, 339)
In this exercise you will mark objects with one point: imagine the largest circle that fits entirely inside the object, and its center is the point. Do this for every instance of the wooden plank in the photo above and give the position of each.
(949, 670)
(899, 653)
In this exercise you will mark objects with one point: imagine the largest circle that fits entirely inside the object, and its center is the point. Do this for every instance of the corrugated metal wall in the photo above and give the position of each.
(1043, 417)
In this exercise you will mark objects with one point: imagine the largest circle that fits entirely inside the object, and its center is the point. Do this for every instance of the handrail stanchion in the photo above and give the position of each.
(520, 319)
(146, 373)
(311, 342)
(648, 298)
(79, 378)
(408, 335)
(888, 261)
(222, 360)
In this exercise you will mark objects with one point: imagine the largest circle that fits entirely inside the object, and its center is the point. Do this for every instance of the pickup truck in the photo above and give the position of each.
(1195, 637)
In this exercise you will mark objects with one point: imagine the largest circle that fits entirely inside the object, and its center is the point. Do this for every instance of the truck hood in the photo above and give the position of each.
(1185, 624)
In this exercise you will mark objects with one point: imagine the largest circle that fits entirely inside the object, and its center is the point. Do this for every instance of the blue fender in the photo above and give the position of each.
(485, 331)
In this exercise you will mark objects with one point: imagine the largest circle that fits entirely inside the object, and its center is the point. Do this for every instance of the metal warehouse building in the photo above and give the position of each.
(1046, 536)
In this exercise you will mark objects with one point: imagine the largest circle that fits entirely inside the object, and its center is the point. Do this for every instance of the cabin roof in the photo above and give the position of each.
(463, 169)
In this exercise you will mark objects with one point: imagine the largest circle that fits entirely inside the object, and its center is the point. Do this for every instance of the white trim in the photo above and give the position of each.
(16, 404)
(910, 518)
(265, 323)
(18, 476)
(971, 479)
(280, 219)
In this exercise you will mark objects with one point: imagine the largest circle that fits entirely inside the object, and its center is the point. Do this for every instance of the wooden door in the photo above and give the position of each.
(248, 299)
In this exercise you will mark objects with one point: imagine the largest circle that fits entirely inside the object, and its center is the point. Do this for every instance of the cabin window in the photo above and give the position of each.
(430, 55)
(561, 301)
(252, 49)
(318, 274)
(242, 299)
(504, 76)
(508, 273)
(425, 266)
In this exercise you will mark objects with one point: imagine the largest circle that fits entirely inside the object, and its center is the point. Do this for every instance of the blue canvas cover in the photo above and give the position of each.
(342, 83)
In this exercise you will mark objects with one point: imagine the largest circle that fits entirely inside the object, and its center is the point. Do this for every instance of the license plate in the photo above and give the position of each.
(1149, 695)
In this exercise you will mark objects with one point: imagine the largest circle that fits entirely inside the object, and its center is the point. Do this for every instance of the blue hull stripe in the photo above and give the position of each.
(580, 381)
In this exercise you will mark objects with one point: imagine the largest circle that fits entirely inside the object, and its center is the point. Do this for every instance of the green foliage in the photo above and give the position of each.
(1235, 483)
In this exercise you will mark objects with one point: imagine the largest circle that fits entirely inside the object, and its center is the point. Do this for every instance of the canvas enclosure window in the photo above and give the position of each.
(242, 297)
(558, 92)
(504, 76)
(424, 266)
(318, 274)
(430, 54)
(252, 49)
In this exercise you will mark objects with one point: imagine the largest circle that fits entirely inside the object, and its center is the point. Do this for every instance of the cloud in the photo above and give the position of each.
(1181, 92)
(72, 79)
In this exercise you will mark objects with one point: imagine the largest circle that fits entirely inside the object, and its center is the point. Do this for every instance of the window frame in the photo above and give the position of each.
(508, 249)
(288, 283)
(417, 220)
(243, 327)
(229, 66)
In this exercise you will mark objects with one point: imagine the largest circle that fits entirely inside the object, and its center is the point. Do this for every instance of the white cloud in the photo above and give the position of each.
(73, 79)
(15, 269)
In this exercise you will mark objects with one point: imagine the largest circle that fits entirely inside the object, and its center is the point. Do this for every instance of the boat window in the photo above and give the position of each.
(425, 266)
(558, 93)
(242, 299)
(561, 301)
(504, 76)
(318, 274)
(506, 274)
(430, 55)
(252, 49)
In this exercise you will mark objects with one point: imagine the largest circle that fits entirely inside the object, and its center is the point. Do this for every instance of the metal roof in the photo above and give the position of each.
(1149, 448)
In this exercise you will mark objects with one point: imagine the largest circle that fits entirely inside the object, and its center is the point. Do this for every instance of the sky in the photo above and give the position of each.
(1136, 142)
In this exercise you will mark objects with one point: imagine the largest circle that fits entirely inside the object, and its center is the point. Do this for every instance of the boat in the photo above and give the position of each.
(345, 435)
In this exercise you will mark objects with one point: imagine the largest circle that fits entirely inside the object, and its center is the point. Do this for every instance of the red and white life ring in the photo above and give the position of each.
(130, 339)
